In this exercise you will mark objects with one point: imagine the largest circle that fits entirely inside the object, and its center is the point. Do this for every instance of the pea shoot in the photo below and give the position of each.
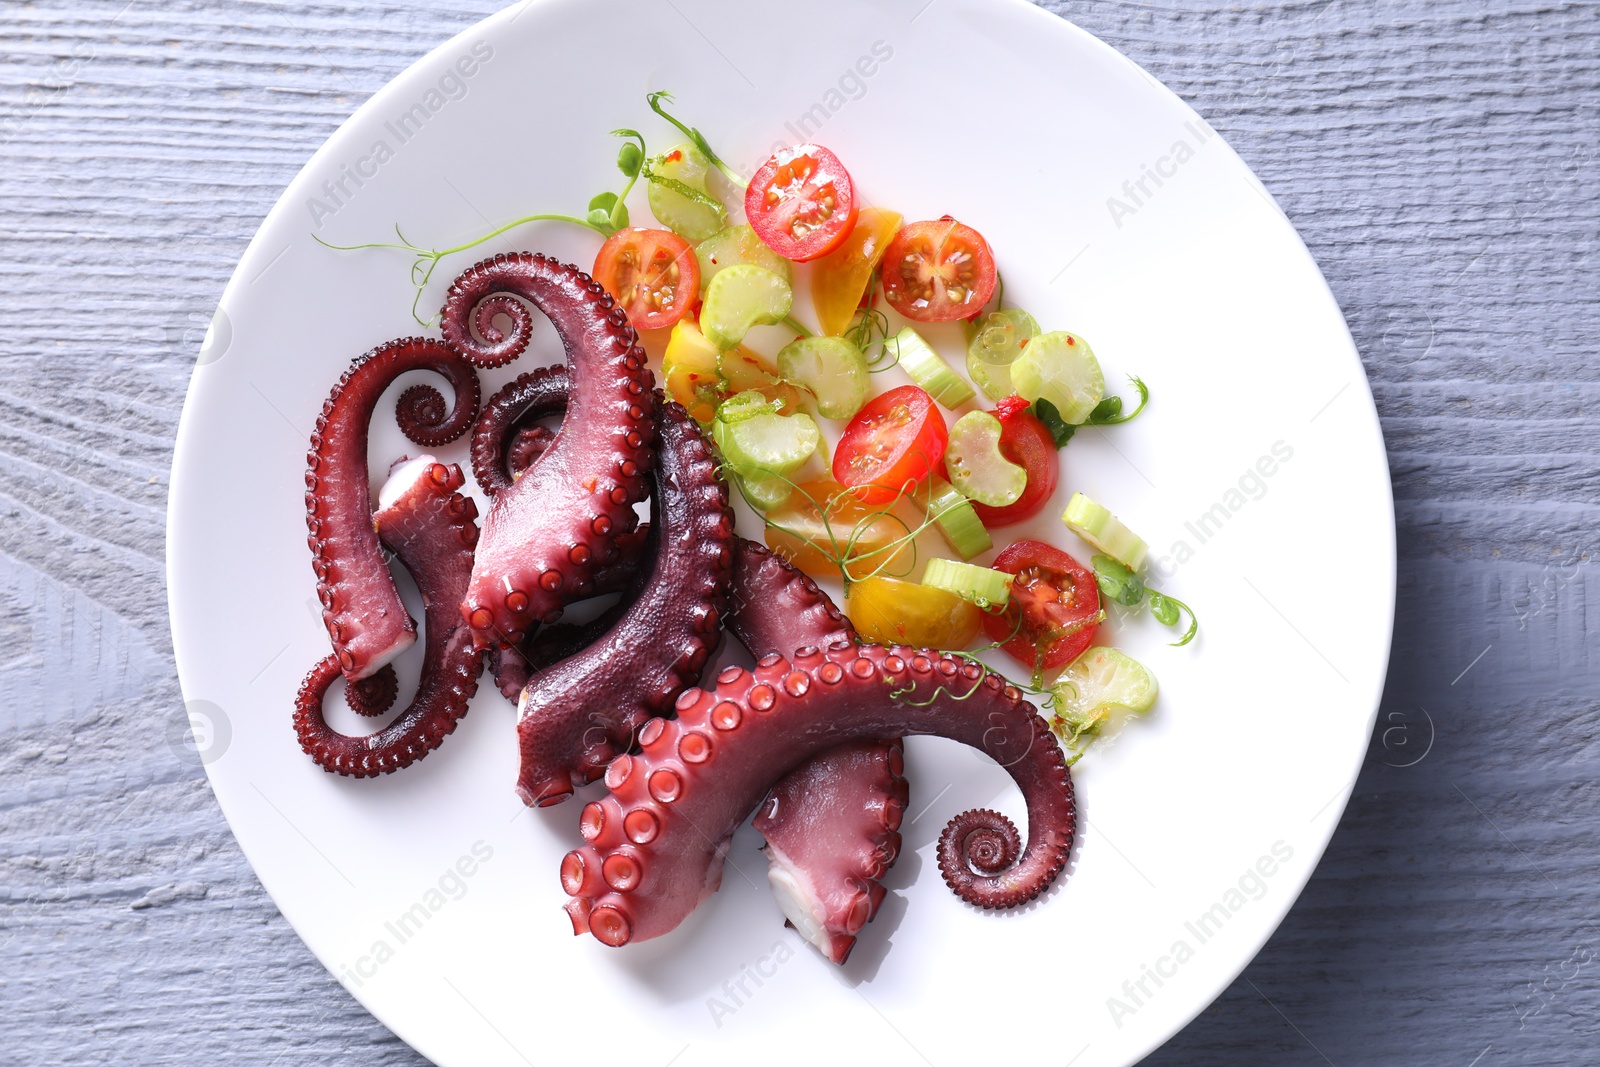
(1106, 413)
(606, 214)
(1121, 585)
(695, 136)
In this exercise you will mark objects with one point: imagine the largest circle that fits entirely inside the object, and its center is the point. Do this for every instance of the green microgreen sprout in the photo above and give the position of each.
(695, 136)
(1119, 584)
(606, 214)
(1106, 413)
(870, 331)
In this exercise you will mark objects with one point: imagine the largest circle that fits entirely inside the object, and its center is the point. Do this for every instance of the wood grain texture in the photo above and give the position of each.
(1438, 156)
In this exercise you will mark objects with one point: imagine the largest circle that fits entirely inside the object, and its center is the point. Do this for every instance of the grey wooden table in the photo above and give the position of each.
(1437, 155)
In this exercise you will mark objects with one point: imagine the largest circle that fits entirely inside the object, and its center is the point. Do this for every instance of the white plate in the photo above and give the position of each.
(1200, 823)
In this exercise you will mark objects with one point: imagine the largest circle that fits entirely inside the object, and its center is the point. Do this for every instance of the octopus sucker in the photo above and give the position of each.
(421, 518)
(541, 540)
(698, 805)
(575, 716)
(362, 611)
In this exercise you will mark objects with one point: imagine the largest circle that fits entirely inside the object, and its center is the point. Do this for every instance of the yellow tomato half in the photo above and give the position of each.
(841, 276)
(826, 529)
(689, 366)
(892, 612)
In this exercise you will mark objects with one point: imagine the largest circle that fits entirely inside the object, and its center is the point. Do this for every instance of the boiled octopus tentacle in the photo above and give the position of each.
(546, 533)
(361, 607)
(429, 526)
(576, 716)
(832, 824)
(374, 694)
(832, 830)
(656, 842)
(515, 664)
(503, 444)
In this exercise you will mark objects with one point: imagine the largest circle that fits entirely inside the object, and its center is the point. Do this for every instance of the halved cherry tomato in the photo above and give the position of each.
(938, 271)
(1054, 607)
(1025, 441)
(652, 274)
(894, 612)
(891, 445)
(825, 528)
(801, 202)
(842, 276)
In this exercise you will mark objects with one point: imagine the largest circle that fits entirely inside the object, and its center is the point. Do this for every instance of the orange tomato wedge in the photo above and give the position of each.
(827, 530)
(893, 612)
(841, 277)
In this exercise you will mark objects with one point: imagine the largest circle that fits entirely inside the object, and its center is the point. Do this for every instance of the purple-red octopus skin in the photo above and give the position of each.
(831, 825)
(547, 532)
(507, 439)
(430, 528)
(832, 829)
(361, 607)
(576, 716)
(656, 843)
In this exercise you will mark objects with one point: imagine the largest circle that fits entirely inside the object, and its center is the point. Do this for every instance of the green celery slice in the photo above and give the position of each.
(984, 586)
(832, 368)
(677, 194)
(1060, 367)
(957, 520)
(740, 297)
(735, 245)
(1096, 525)
(929, 370)
(976, 465)
(999, 340)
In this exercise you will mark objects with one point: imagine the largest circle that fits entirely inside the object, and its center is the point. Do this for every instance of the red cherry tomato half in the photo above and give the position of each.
(938, 271)
(1054, 607)
(891, 445)
(1025, 441)
(801, 202)
(653, 274)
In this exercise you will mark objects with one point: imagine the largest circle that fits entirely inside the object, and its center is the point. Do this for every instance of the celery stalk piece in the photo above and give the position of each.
(976, 465)
(1096, 525)
(984, 586)
(740, 297)
(1060, 367)
(929, 370)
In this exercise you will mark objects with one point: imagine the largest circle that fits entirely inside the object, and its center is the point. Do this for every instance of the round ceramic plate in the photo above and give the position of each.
(1257, 475)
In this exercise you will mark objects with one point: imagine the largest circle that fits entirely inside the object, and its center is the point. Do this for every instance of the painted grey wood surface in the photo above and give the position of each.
(1437, 155)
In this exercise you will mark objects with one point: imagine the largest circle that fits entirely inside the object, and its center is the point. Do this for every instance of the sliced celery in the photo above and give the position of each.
(769, 442)
(735, 245)
(832, 368)
(956, 519)
(677, 194)
(984, 586)
(1060, 367)
(1000, 338)
(929, 370)
(1096, 525)
(741, 297)
(1092, 688)
(764, 491)
(976, 465)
